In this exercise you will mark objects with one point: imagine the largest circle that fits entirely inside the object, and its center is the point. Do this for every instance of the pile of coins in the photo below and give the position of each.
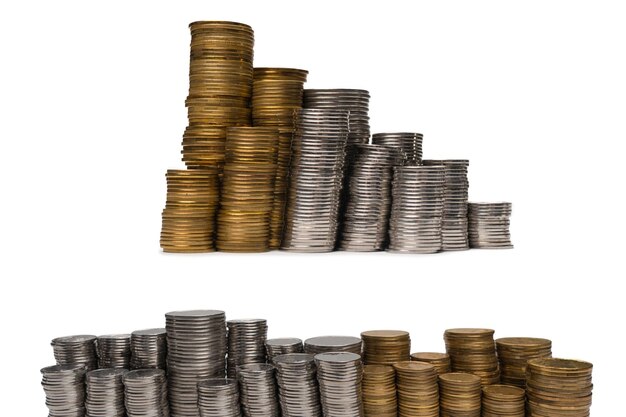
(79, 349)
(416, 209)
(297, 385)
(322, 344)
(281, 346)
(441, 361)
(105, 393)
(339, 375)
(489, 225)
(145, 393)
(189, 214)
(148, 349)
(386, 347)
(64, 386)
(258, 394)
(246, 343)
(410, 144)
(418, 390)
(379, 391)
(473, 351)
(503, 401)
(113, 351)
(515, 352)
(558, 387)
(460, 395)
(218, 397)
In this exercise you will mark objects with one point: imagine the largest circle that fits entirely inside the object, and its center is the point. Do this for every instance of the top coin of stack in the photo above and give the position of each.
(322, 344)
(385, 347)
(281, 346)
(473, 351)
(441, 361)
(515, 352)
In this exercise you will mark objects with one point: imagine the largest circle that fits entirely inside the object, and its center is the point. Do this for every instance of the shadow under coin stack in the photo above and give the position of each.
(489, 225)
(148, 349)
(218, 397)
(460, 395)
(297, 385)
(281, 346)
(258, 393)
(418, 390)
(379, 391)
(322, 344)
(113, 351)
(473, 351)
(503, 401)
(105, 393)
(441, 361)
(79, 349)
(64, 386)
(145, 392)
(385, 347)
(246, 343)
(339, 375)
(515, 352)
(409, 143)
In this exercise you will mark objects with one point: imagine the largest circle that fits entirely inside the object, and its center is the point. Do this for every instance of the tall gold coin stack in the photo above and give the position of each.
(441, 361)
(276, 102)
(460, 395)
(473, 351)
(189, 216)
(386, 347)
(503, 401)
(558, 387)
(379, 391)
(243, 221)
(418, 390)
(515, 352)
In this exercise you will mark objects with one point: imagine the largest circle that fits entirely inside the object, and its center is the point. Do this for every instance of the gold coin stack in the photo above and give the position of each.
(473, 351)
(558, 387)
(515, 352)
(386, 347)
(379, 391)
(441, 361)
(503, 401)
(418, 391)
(189, 214)
(460, 395)
(276, 102)
(243, 221)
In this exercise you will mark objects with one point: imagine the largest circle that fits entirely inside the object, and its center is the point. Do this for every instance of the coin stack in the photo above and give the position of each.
(148, 349)
(503, 401)
(322, 344)
(473, 351)
(379, 391)
(409, 143)
(64, 386)
(460, 395)
(79, 349)
(196, 350)
(105, 393)
(316, 175)
(258, 393)
(218, 397)
(246, 343)
(145, 392)
(368, 198)
(515, 352)
(489, 225)
(113, 351)
(385, 347)
(418, 391)
(416, 209)
(297, 385)
(189, 214)
(281, 346)
(454, 222)
(339, 375)
(558, 387)
(441, 361)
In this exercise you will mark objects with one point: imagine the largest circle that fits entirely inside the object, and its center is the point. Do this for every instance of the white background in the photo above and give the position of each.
(532, 92)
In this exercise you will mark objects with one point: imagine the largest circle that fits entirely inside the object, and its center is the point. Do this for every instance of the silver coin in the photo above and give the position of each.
(297, 385)
(218, 397)
(77, 349)
(339, 375)
(145, 393)
(113, 351)
(321, 344)
(258, 390)
(105, 393)
(488, 225)
(148, 349)
(64, 387)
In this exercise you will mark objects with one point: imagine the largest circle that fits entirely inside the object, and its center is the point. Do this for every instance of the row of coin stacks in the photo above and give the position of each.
(203, 365)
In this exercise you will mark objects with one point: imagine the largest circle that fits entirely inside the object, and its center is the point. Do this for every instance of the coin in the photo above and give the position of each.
(503, 400)
(418, 391)
(441, 361)
(489, 225)
(105, 393)
(410, 144)
(379, 391)
(297, 385)
(148, 349)
(258, 391)
(460, 395)
(515, 352)
(218, 397)
(281, 346)
(339, 375)
(78, 349)
(113, 351)
(473, 351)
(145, 392)
(246, 343)
(385, 347)
(64, 387)
(322, 344)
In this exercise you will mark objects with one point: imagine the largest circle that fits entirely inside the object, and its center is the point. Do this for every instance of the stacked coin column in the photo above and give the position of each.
(145, 392)
(105, 393)
(76, 350)
(503, 400)
(441, 361)
(114, 351)
(473, 351)
(322, 344)
(282, 346)
(148, 349)
(515, 352)
(339, 375)
(489, 225)
(219, 397)
(246, 343)
(460, 395)
(409, 143)
(297, 385)
(258, 391)
(379, 391)
(418, 390)
(385, 347)
(64, 386)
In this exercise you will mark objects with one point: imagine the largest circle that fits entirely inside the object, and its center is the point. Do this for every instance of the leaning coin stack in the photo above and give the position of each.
(515, 352)
(196, 351)
(385, 347)
(281, 346)
(105, 393)
(246, 343)
(416, 209)
(339, 375)
(79, 349)
(503, 401)
(148, 349)
(145, 392)
(379, 391)
(441, 361)
(218, 397)
(454, 222)
(322, 344)
(297, 385)
(113, 351)
(368, 198)
(316, 175)
(473, 351)
(489, 225)
(189, 214)
(258, 392)
(460, 395)
(64, 386)
(418, 391)
(409, 143)
(558, 387)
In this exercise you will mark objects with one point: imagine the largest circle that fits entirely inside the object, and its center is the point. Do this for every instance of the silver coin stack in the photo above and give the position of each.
(281, 346)
(246, 343)
(297, 385)
(218, 397)
(79, 349)
(489, 225)
(316, 177)
(409, 143)
(105, 393)
(366, 212)
(148, 349)
(196, 350)
(64, 386)
(257, 390)
(113, 351)
(416, 209)
(454, 223)
(322, 344)
(339, 375)
(145, 393)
